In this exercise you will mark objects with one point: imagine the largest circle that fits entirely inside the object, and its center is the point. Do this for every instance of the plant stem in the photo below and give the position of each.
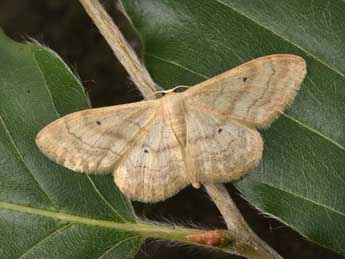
(243, 241)
(120, 47)
(145, 229)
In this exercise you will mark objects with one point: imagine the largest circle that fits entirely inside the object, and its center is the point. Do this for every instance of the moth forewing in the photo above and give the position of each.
(206, 134)
(255, 92)
(94, 140)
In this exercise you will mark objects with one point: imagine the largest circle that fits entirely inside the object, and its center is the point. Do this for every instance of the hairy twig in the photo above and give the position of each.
(243, 241)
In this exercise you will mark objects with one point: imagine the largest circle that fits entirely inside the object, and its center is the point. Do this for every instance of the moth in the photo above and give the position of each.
(206, 134)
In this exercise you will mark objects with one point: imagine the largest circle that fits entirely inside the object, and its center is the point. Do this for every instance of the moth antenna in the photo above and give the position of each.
(163, 92)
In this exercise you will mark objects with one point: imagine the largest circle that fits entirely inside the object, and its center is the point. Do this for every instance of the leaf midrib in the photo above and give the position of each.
(127, 226)
(143, 229)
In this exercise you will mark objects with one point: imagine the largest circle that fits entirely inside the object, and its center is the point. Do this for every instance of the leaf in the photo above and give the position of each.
(47, 211)
(301, 179)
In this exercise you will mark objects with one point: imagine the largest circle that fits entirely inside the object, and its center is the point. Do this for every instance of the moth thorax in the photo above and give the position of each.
(173, 108)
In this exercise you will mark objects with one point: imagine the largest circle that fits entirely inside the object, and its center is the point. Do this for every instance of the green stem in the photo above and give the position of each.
(144, 229)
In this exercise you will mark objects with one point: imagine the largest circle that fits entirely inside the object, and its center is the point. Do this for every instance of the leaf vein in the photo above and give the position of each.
(104, 199)
(117, 245)
(56, 231)
(21, 159)
(178, 65)
(282, 37)
(300, 197)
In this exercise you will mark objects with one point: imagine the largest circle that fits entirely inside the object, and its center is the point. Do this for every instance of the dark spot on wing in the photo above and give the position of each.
(98, 122)
(220, 130)
(146, 151)
(244, 79)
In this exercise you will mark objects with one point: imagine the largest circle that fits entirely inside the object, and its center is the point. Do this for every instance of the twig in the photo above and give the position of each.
(121, 48)
(244, 241)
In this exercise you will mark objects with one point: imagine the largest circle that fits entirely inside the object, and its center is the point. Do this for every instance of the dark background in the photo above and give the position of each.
(63, 26)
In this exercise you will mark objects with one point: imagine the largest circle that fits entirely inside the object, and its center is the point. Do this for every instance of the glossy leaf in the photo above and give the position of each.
(301, 179)
(46, 210)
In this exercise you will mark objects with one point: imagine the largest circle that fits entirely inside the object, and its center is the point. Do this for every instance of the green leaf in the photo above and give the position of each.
(47, 211)
(40, 202)
(301, 179)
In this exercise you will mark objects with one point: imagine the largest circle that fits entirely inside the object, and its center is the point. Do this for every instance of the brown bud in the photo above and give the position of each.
(212, 238)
